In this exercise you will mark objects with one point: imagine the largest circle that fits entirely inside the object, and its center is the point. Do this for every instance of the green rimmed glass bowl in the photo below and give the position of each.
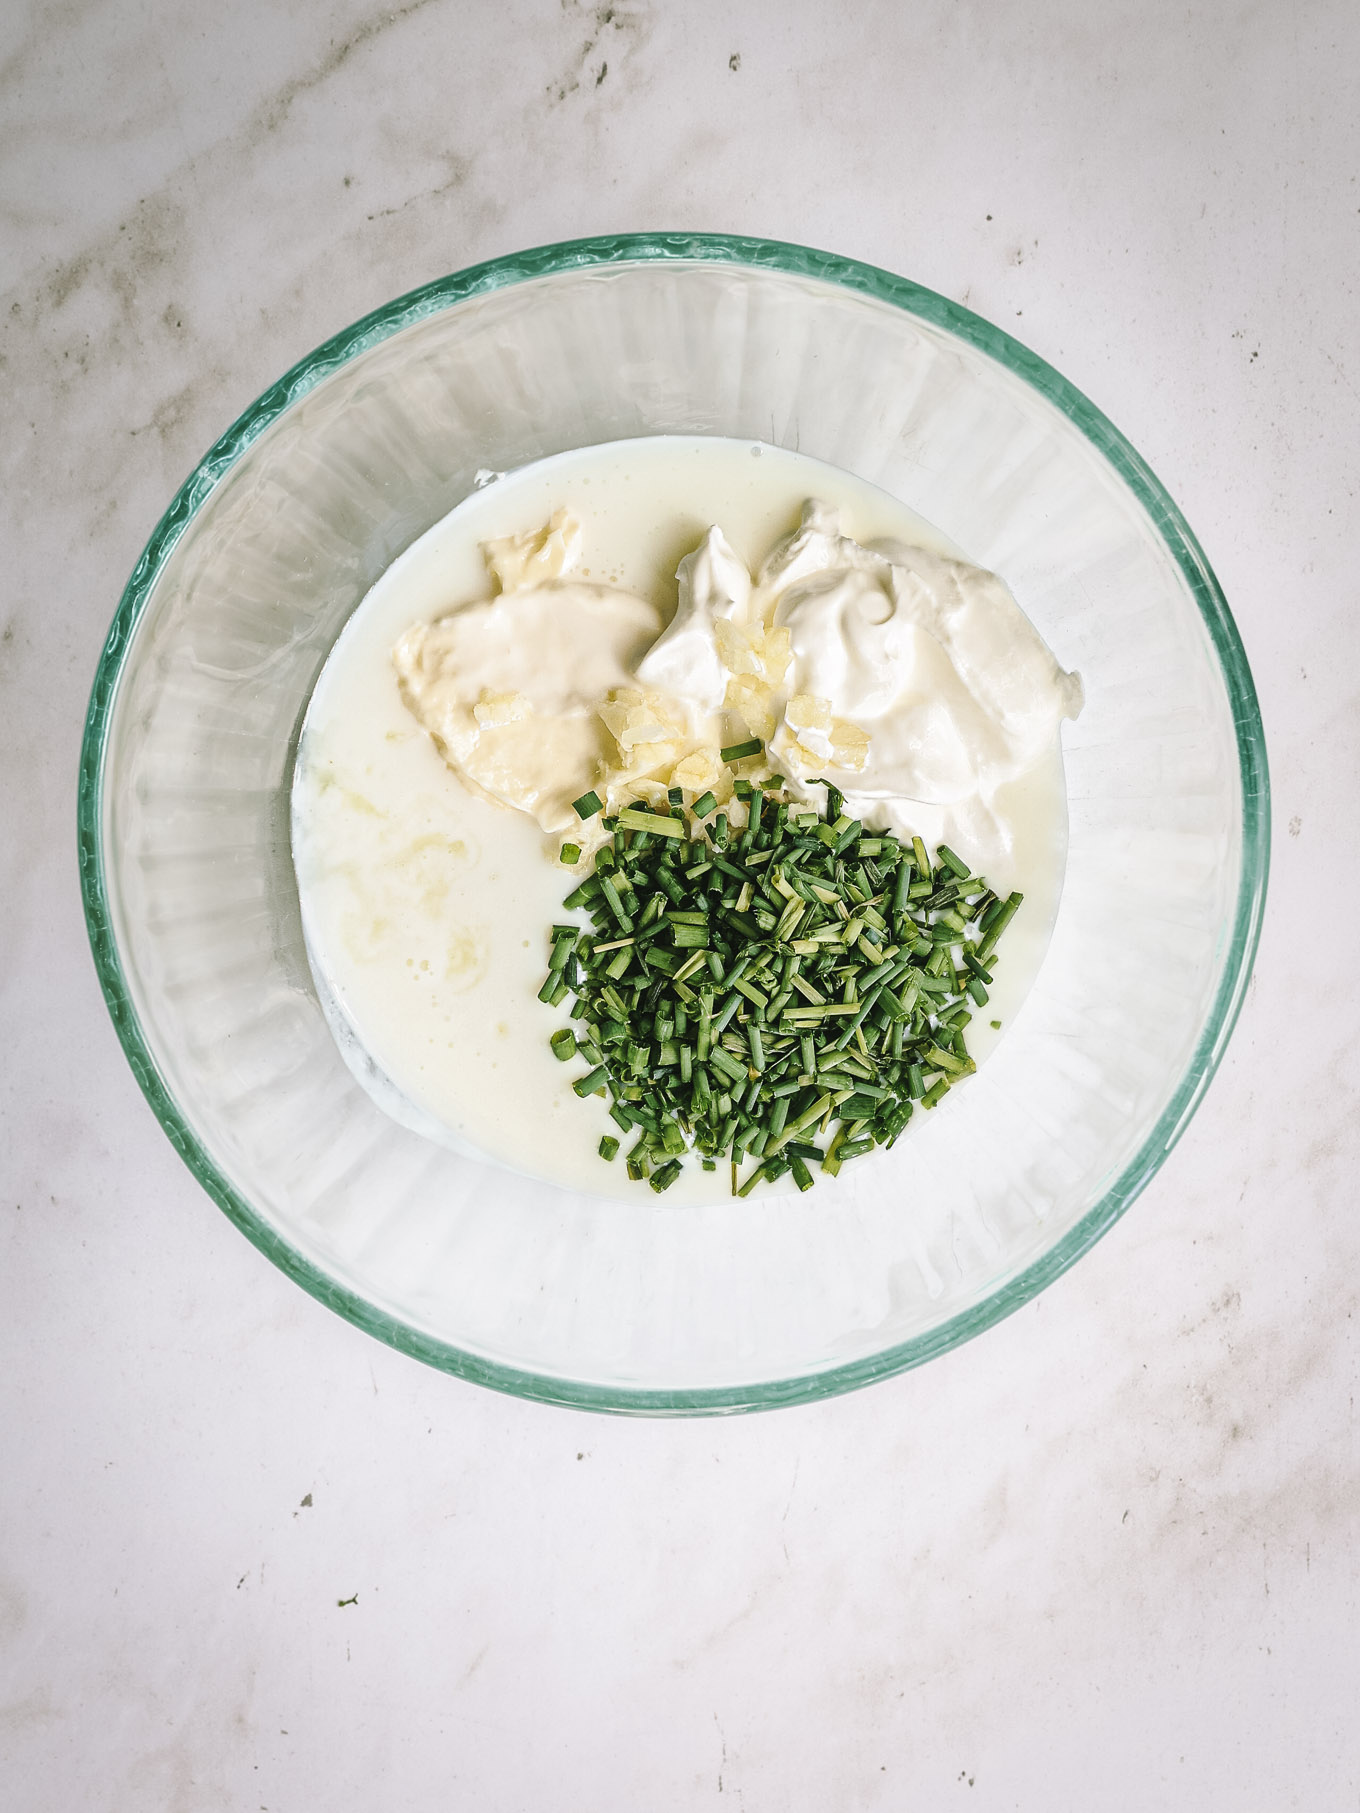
(192, 906)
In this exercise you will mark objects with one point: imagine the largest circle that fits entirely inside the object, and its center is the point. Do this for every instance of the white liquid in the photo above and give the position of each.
(427, 910)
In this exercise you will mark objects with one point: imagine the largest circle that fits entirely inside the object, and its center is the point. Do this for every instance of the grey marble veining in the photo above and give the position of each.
(1102, 1558)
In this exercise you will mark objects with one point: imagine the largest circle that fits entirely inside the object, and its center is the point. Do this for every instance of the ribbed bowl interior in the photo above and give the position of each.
(193, 905)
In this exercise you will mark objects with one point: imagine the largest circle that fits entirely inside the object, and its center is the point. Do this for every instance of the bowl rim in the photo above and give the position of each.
(938, 311)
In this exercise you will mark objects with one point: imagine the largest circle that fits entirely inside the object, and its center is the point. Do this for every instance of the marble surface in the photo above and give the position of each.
(1104, 1557)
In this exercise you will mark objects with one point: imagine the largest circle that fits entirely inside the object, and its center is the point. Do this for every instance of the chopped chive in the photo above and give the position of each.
(956, 863)
(798, 1148)
(632, 818)
(777, 994)
(737, 752)
(588, 804)
(982, 974)
(751, 1182)
(609, 1146)
(901, 883)
(997, 924)
(860, 1107)
(569, 854)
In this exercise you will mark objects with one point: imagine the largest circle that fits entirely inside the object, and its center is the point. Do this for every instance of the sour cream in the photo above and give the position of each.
(612, 618)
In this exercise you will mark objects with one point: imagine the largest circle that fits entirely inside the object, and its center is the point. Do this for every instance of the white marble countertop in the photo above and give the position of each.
(1104, 1557)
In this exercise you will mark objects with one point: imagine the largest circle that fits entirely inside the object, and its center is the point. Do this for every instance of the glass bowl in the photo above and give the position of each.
(647, 1307)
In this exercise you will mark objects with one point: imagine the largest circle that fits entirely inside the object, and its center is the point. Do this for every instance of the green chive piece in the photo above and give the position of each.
(777, 994)
(998, 924)
(632, 818)
(569, 854)
(611, 894)
(737, 752)
(855, 1148)
(588, 804)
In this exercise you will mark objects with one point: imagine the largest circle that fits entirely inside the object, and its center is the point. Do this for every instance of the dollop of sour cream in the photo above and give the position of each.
(910, 681)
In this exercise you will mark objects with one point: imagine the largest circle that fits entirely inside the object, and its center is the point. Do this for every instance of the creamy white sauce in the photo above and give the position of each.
(427, 851)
